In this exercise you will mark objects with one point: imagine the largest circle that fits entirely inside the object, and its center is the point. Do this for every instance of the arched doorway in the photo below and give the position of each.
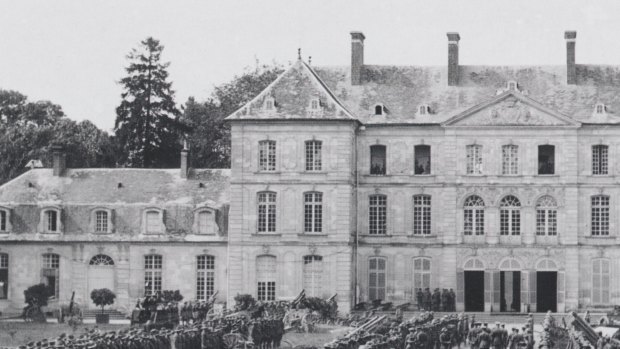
(100, 275)
(509, 285)
(473, 279)
(548, 283)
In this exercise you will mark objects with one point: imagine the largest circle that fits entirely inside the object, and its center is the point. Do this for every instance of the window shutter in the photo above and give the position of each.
(532, 303)
(524, 288)
(460, 286)
(496, 290)
(561, 290)
(488, 291)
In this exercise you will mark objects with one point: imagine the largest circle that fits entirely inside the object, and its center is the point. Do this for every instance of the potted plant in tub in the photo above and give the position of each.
(102, 297)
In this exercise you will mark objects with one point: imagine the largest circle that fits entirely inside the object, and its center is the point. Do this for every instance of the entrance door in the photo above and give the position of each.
(546, 291)
(510, 290)
(474, 290)
(100, 277)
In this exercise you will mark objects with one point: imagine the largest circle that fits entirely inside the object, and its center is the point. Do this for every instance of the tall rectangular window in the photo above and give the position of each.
(205, 277)
(3, 220)
(600, 215)
(313, 156)
(510, 216)
(377, 159)
(422, 162)
(376, 278)
(510, 159)
(153, 265)
(51, 218)
(599, 159)
(474, 159)
(421, 273)
(101, 221)
(313, 212)
(546, 159)
(266, 274)
(4, 275)
(377, 215)
(546, 216)
(312, 275)
(50, 273)
(267, 156)
(153, 222)
(600, 281)
(421, 215)
(267, 212)
(473, 215)
(205, 223)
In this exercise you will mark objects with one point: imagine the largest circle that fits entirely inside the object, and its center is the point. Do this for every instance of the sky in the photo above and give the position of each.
(73, 52)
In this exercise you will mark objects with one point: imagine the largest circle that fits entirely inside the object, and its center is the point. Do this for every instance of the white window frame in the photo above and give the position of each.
(473, 164)
(600, 293)
(313, 155)
(267, 212)
(510, 159)
(377, 278)
(377, 214)
(153, 273)
(205, 276)
(421, 273)
(312, 274)
(266, 277)
(600, 206)
(267, 155)
(417, 149)
(44, 221)
(510, 216)
(4, 285)
(94, 220)
(50, 264)
(422, 215)
(546, 216)
(211, 228)
(5, 220)
(474, 211)
(600, 160)
(160, 226)
(313, 212)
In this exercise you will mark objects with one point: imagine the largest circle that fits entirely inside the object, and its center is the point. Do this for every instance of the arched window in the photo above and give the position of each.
(205, 276)
(313, 155)
(266, 212)
(377, 159)
(473, 264)
(4, 276)
(510, 159)
(422, 159)
(266, 275)
(267, 155)
(546, 265)
(153, 265)
(50, 273)
(204, 221)
(600, 281)
(546, 216)
(379, 109)
(510, 264)
(153, 221)
(421, 273)
(313, 212)
(377, 214)
(599, 159)
(50, 220)
(510, 216)
(101, 259)
(312, 275)
(101, 220)
(600, 215)
(421, 215)
(473, 216)
(376, 278)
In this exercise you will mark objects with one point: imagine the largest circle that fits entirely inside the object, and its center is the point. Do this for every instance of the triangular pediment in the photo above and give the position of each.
(511, 109)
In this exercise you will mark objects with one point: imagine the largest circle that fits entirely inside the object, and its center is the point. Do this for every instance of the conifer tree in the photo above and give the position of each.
(147, 126)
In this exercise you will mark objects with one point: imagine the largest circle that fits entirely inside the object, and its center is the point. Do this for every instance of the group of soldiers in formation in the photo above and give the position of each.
(424, 332)
(444, 300)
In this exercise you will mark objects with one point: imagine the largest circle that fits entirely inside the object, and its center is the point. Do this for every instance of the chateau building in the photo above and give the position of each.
(366, 181)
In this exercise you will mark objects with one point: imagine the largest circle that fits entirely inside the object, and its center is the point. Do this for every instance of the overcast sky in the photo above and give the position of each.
(73, 52)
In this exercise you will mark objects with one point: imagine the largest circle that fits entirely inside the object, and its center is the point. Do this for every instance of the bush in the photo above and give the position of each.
(244, 302)
(37, 295)
(102, 297)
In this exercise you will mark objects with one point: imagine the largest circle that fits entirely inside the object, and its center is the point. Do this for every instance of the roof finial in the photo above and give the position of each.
(309, 60)
(299, 54)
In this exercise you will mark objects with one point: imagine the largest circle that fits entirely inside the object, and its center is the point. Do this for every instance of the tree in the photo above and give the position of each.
(102, 297)
(244, 302)
(37, 295)
(147, 126)
(210, 134)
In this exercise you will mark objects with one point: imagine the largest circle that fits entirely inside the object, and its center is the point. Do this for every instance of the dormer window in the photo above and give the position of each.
(600, 109)
(380, 109)
(315, 104)
(101, 221)
(270, 104)
(204, 221)
(424, 109)
(5, 220)
(153, 221)
(50, 222)
(512, 85)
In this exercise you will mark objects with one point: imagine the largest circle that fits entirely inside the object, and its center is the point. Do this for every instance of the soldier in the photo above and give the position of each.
(427, 299)
(436, 300)
(484, 339)
(472, 336)
(452, 297)
(420, 299)
(497, 337)
(445, 300)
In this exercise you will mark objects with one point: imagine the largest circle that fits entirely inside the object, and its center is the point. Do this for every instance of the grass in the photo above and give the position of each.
(19, 333)
(317, 339)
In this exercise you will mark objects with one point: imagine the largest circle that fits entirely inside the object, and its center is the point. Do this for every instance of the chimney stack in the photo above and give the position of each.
(357, 57)
(184, 161)
(59, 160)
(453, 58)
(571, 71)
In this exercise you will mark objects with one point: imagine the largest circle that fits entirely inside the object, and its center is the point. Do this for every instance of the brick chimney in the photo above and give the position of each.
(357, 57)
(59, 160)
(453, 58)
(571, 71)
(184, 162)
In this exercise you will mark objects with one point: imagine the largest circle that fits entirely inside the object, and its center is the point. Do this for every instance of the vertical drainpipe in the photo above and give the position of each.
(357, 228)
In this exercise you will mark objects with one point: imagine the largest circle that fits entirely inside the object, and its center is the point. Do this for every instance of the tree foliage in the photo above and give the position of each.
(37, 295)
(210, 134)
(102, 297)
(147, 126)
(244, 302)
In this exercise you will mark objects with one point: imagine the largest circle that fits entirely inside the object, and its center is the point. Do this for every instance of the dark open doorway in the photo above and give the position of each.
(474, 290)
(546, 291)
(510, 290)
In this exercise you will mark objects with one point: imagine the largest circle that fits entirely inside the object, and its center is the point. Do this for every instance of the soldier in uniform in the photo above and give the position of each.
(497, 337)
(484, 339)
(445, 339)
(427, 299)
(452, 297)
(420, 299)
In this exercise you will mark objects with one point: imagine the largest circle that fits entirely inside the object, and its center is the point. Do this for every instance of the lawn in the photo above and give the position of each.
(18, 333)
(317, 339)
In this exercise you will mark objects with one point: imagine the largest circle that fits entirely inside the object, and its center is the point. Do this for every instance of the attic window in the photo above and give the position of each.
(315, 104)
(380, 109)
(424, 109)
(512, 85)
(600, 108)
(270, 103)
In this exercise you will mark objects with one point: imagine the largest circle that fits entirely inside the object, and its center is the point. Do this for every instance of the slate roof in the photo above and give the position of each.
(402, 89)
(101, 186)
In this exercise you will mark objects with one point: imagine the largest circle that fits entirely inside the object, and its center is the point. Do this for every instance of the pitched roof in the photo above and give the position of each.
(101, 187)
(292, 93)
